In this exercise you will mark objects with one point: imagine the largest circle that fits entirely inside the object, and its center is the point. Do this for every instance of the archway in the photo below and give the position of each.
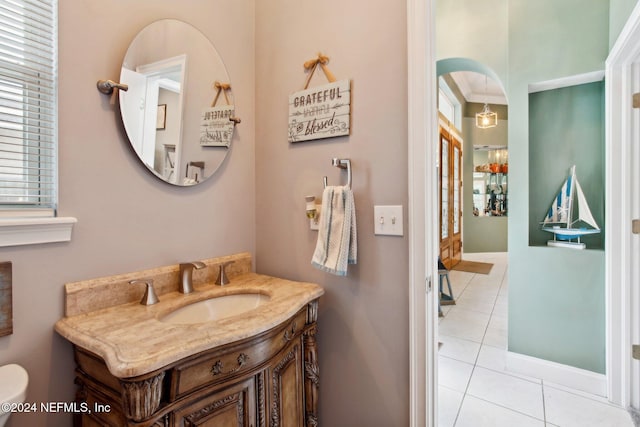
(467, 87)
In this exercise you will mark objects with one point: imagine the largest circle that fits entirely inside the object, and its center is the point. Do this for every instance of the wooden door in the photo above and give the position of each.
(450, 199)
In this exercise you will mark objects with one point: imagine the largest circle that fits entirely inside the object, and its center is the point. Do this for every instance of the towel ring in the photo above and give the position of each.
(342, 164)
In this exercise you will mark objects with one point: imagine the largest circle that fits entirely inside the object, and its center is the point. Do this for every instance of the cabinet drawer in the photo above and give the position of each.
(234, 359)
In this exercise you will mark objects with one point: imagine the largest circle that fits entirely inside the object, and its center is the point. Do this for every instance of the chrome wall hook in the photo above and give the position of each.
(342, 164)
(107, 86)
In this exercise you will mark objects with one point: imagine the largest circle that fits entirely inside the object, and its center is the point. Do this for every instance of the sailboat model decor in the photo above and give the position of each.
(560, 220)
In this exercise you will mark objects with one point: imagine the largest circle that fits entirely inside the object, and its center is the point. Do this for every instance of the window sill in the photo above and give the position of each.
(33, 231)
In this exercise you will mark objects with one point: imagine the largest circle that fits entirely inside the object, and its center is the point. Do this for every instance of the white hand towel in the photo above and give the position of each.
(337, 238)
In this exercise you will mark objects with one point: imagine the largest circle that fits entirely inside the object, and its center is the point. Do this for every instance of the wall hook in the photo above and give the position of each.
(107, 86)
(342, 164)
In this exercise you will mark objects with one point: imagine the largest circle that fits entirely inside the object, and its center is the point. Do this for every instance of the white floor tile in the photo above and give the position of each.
(481, 319)
(453, 373)
(475, 331)
(504, 390)
(496, 338)
(601, 399)
(504, 289)
(462, 326)
(461, 277)
(459, 349)
(497, 332)
(479, 413)
(479, 295)
(457, 289)
(474, 305)
(498, 322)
(449, 402)
(570, 410)
(501, 307)
(496, 359)
(445, 309)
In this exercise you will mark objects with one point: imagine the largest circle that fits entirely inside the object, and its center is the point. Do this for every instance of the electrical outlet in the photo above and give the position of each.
(388, 220)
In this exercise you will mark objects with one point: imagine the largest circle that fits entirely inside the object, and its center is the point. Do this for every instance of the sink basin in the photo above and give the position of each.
(215, 308)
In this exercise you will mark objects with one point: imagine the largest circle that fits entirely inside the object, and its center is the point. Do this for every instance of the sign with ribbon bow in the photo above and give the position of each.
(217, 124)
(323, 111)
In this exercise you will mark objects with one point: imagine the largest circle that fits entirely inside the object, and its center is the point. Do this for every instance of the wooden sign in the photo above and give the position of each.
(216, 128)
(6, 315)
(320, 112)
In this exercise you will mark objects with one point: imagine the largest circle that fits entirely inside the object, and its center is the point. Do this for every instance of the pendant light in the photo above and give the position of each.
(486, 118)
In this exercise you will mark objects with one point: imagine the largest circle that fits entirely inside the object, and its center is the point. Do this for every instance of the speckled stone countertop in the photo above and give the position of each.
(132, 340)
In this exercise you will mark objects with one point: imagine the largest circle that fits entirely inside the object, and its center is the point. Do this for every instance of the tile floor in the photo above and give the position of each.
(475, 390)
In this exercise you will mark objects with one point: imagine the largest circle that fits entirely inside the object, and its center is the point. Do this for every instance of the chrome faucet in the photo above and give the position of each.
(186, 272)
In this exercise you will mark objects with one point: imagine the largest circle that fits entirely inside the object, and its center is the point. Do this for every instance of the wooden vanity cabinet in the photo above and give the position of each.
(269, 380)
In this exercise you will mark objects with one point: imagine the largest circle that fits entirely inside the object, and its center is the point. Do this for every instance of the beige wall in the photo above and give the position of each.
(363, 319)
(127, 219)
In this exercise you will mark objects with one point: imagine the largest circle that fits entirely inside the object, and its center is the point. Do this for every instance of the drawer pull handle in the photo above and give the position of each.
(218, 367)
(288, 335)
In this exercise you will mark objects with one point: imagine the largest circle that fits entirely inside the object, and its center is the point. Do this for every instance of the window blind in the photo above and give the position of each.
(28, 107)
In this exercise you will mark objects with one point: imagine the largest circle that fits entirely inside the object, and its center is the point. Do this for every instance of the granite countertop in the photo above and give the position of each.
(132, 341)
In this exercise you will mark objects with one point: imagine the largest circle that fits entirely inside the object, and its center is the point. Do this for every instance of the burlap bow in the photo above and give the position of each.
(312, 64)
(222, 87)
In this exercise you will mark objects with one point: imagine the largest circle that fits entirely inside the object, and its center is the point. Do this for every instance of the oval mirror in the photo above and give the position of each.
(178, 112)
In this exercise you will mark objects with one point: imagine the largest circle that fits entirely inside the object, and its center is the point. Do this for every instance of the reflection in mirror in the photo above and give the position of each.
(491, 167)
(173, 71)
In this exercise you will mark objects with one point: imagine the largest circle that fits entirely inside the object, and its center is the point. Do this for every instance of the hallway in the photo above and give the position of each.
(475, 390)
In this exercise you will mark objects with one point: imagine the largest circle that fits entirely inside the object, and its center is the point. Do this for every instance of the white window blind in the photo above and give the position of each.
(28, 113)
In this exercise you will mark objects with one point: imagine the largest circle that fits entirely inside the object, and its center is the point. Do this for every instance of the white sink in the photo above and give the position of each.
(215, 308)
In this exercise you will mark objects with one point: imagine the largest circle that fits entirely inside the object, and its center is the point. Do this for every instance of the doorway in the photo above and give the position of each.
(450, 196)
(473, 149)
(622, 211)
(620, 253)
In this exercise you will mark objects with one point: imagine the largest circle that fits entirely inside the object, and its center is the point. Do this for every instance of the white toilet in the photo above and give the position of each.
(13, 387)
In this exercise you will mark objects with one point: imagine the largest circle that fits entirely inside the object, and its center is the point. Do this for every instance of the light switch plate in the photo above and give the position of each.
(388, 220)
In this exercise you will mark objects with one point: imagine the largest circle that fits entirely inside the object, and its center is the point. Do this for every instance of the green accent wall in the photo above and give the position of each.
(619, 11)
(566, 127)
(556, 296)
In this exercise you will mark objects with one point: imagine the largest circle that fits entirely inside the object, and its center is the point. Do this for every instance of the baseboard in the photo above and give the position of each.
(635, 416)
(568, 376)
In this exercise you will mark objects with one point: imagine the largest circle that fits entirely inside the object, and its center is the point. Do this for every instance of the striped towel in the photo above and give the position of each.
(337, 240)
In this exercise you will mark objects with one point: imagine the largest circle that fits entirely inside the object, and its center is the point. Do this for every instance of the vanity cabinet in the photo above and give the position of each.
(268, 380)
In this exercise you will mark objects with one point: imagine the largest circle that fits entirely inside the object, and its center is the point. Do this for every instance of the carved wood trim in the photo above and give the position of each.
(236, 399)
(311, 376)
(262, 403)
(289, 333)
(140, 399)
(277, 385)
